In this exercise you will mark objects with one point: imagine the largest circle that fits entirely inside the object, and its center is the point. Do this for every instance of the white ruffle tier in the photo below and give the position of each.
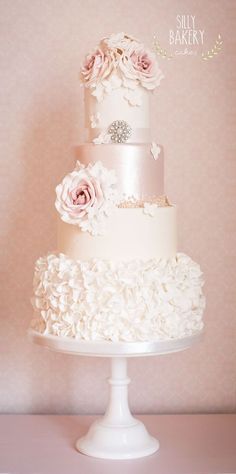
(118, 301)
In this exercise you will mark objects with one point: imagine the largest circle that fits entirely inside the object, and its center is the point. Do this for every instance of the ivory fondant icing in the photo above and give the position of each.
(130, 234)
(138, 174)
(113, 107)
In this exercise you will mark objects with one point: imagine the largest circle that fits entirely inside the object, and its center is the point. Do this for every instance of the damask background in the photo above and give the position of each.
(193, 115)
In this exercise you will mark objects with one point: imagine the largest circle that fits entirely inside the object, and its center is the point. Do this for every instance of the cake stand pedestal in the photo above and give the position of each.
(116, 435)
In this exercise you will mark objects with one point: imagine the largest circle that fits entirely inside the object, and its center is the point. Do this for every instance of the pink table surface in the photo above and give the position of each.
(190, 444)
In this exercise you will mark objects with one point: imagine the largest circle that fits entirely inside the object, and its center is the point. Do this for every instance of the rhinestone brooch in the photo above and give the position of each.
(120, 131)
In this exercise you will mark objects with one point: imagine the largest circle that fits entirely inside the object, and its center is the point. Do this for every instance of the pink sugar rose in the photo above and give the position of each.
(87, 196)
(140, 64)
(97, 66)
(76, 195)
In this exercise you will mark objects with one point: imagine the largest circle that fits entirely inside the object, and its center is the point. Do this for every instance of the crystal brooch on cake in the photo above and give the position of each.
(120, 131)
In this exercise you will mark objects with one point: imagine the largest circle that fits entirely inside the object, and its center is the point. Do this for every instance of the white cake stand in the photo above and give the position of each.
(116, 435)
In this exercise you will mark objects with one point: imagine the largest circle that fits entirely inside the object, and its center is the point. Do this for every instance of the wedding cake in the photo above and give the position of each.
(117, 274)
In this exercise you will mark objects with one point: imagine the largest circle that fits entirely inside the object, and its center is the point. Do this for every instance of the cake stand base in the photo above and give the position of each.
(111, 442)
(116, 435)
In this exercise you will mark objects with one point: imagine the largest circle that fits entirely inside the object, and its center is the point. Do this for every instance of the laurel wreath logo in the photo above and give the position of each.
(205, 56)
(161, 51)
(214, 51)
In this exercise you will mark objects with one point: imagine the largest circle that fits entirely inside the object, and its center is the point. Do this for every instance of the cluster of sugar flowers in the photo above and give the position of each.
(118, 301)
(87, 196)
(121, 61)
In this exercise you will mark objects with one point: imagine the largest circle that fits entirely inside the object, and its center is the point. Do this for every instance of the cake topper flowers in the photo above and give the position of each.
(87, 196)
(121, 61)
(97, 66)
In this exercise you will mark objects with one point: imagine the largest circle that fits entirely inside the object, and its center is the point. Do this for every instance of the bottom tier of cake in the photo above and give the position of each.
(136, 300)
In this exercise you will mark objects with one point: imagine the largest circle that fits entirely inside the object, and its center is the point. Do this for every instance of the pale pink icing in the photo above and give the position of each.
(138, 174)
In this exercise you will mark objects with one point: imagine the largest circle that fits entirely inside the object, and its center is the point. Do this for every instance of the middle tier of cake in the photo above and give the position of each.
(139, 168)
(131, 234)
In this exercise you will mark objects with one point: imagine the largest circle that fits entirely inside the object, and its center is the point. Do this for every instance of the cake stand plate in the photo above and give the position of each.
(116, 435)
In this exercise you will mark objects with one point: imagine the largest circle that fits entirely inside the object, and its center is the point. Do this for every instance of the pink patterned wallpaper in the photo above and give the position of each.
(42, 45)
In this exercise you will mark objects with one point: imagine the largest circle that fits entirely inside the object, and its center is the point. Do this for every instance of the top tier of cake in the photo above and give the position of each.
(118, 77)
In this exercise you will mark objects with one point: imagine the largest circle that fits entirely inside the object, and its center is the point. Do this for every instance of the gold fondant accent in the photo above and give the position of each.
(160, 201)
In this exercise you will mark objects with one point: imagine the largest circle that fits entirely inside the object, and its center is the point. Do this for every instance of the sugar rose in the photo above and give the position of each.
(97, 66)
(76, 194)
(86, 196)
(119, 42)
(140, 64)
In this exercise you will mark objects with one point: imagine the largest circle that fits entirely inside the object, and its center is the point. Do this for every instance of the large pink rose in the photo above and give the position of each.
(77, 193)
(97, 66)
(138, 63)
(87, 196)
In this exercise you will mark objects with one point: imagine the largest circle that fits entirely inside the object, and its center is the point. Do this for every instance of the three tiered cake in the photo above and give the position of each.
(117, 275)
